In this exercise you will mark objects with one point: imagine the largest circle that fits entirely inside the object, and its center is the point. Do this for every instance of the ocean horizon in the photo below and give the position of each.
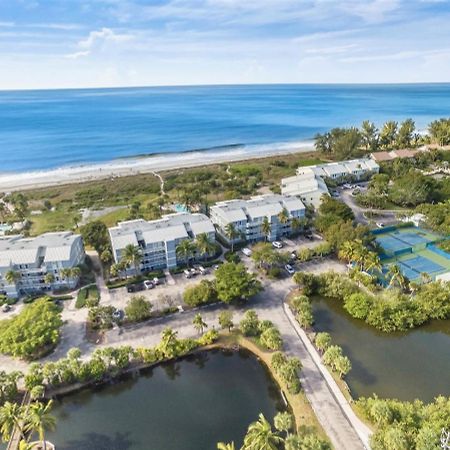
(50, 129)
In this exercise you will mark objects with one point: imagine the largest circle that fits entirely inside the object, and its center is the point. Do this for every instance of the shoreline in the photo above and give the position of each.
(10, 182)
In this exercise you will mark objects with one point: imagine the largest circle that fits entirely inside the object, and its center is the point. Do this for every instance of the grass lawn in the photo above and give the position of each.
(213, 183)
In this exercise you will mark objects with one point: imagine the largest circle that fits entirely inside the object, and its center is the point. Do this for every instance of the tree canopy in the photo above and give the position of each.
(33, 331)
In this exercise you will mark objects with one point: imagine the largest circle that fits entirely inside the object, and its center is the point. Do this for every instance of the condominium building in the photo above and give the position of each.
(36, 263)
(159, 239)
(308, 186)
(355, 168)
(247, 217)
(309, 183)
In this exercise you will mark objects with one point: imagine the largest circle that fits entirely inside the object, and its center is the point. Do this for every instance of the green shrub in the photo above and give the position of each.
(33, 331)
(138, 309)
(200, 294)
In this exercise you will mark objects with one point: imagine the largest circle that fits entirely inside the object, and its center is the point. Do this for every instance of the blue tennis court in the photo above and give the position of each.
(391, 244)
(412, 238)
(408, 272)
(421, 264)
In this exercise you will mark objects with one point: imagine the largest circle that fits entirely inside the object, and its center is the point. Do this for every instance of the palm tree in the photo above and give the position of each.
(168, 342)
(283, 217)
(297, 223)
(347, 252)
(40, 420)
(185, 250)
(260, 436)
(283, 422)
(199, 323)
(372, 262)
(49, 278)
(65, 273)
(266, 228)
(396, 276)
(75, 272)
(231, 233)
(11, 417)
(204, 244)
(12, 276)
(369, 135)
(132, 255)
(223, 446)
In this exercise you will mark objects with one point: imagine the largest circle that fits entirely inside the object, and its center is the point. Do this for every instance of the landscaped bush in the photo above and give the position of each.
(303, 309)
(264, 330)
(232, 257)
(138, 309)
(200, 294)
(287, 369)
(5, 300)
(33, 332)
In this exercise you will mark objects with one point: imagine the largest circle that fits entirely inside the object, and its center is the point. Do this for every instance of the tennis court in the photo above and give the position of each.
(408, 272)
(412, 249)
(412, 239)
(390, 244)
(421, 264)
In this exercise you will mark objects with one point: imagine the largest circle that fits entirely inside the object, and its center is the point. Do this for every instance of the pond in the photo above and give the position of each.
(187, 405)
(413, 364)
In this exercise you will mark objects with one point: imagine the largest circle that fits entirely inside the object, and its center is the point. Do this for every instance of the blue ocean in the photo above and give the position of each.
(50, 129)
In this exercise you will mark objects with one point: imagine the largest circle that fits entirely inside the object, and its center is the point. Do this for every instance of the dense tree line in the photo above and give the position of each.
(406, 425)
(388, 311)
(33, 331)
(110, 361)
(344, 143)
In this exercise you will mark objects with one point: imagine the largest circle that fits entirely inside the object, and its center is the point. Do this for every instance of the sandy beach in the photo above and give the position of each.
(133, 166)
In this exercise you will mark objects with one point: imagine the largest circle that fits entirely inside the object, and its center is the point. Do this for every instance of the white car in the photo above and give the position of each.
(155, 281)
(187, 273)
(202, 270)
(246, 251)
(148, 284)
(277, 244)
(290, 270)
(380, 224)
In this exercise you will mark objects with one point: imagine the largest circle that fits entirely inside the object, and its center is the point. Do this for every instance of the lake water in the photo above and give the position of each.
(49, 129)
(414, 364)
(188, 405)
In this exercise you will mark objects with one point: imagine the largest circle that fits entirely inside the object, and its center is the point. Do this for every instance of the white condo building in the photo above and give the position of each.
(308, 186)
(309, 183)
(31, 259)
(356, 168)
(158, 239)
(247, 216)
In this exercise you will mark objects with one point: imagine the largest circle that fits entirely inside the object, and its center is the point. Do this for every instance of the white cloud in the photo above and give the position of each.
(77, 55)
(6, 24)
(102, 36)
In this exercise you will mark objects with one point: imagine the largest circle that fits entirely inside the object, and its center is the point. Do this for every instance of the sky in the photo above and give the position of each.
(105, 43)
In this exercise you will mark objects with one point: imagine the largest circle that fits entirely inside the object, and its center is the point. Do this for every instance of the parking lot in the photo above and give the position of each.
(168, 293)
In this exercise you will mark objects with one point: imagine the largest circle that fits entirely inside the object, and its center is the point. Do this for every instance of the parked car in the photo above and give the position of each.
(246, 251)
(194, 272)
(187, 273)
(380, 224)
(290, 270)
(6, 308)
(148, 284)
(294, 255)
(135, 287)
(335, 194)
(156, 281)
(202, 270)
(277, 244)
(356, 192)
(216, 266)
